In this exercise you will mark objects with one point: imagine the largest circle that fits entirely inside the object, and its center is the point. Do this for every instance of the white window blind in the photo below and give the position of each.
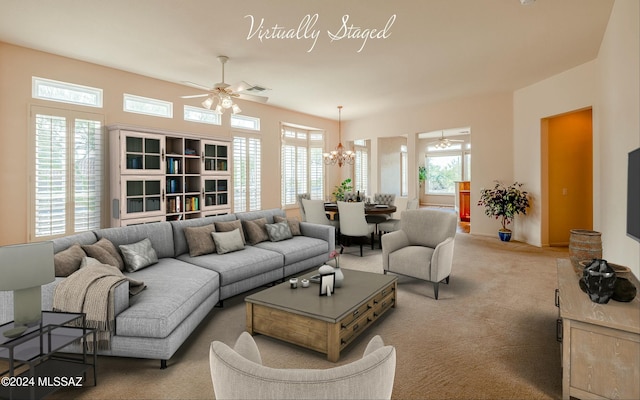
(302, 164)
(361, 170)
(404, 170)
(246, 174)
(67, 184)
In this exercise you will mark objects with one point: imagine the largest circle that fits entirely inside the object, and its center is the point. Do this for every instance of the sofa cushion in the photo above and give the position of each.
(279, 231)
(179, 239)
(174, 290)
(298, 248)
(268, 214)
(65, 242)
(159, 233)
(68, 261)
(138, 255)
(230, 226)
(199, 239)
(238, 265)
(101, 254)
(226, 242)
(255, 230)
(294, 224)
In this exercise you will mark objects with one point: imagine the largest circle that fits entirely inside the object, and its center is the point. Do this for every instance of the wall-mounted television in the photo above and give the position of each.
(633, 195)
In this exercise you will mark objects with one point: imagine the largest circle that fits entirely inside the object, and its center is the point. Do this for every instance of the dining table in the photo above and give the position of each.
(369, 209)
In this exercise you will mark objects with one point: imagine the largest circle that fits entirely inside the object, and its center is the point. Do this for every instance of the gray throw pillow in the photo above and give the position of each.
(279, 231)
(228, 226)
(255, 230)
(226, 242)
(199, 239)
(294, 224)
(138, 255)
(68, 261)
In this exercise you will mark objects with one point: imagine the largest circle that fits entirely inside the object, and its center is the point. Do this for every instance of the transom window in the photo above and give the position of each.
(65, 92)
(148, 106)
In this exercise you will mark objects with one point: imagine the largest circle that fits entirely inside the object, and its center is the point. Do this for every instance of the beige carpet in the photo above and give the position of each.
(491, 334)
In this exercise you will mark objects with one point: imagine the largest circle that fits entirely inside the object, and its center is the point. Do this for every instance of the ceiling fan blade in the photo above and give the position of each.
(253, 97)
(196, 85)
(240, 86)
(193, 96)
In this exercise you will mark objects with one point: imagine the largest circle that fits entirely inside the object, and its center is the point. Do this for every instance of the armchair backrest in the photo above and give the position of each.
(238, 373)
(426, 227)
(352, 219)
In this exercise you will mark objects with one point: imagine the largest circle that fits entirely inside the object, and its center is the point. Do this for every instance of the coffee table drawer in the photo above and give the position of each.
(358, 313)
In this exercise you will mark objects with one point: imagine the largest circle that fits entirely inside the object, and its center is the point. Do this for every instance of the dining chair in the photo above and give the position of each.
(353, 196)
(353, 222)
(301, 196)
(393, 224)
(383, 199)
(315, 213)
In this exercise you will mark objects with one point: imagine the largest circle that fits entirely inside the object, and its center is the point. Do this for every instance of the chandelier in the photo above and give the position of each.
(339, 156)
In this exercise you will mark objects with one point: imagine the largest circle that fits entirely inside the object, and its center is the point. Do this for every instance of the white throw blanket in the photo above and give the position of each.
(90, 290)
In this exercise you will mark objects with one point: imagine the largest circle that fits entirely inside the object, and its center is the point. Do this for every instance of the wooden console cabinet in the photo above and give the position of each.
(600, 342)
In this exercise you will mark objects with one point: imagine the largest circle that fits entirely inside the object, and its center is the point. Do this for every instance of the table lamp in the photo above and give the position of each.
(23, 269)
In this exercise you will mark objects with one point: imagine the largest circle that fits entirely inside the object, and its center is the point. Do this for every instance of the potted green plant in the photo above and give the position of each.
(422, 174)
(504, 203)
(341, 189)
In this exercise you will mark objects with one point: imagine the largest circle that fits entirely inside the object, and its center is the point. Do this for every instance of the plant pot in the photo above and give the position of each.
(505, 235)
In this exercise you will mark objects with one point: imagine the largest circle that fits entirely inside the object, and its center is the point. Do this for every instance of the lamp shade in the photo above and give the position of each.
(26, 265)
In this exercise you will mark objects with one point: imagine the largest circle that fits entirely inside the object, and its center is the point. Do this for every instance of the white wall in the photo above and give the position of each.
(569, 91)
(617, 130)
(490, 118)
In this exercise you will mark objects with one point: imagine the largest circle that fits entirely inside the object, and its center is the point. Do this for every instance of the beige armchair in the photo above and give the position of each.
(423, 246)
(238, 373)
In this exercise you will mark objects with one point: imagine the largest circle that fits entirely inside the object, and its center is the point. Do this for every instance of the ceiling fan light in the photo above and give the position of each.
(208, 103)
(226, 101)
(218, 109)
(236, 109)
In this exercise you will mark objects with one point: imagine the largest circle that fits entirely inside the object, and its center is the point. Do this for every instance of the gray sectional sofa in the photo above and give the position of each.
(181, 290)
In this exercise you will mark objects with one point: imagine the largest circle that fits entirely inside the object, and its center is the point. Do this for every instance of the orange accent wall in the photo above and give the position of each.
(570, 152)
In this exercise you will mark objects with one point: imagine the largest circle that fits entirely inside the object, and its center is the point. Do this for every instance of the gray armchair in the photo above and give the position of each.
(423, 246)
(238, 373)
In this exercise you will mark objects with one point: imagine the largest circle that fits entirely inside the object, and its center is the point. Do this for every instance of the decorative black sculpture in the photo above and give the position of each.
(600, 280)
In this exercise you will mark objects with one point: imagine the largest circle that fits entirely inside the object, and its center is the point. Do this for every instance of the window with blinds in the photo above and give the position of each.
(361, 170)
(68, 172)
(246, 173)
(302, 164)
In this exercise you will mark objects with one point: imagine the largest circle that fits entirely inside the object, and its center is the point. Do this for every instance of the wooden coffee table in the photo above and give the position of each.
(325, 324)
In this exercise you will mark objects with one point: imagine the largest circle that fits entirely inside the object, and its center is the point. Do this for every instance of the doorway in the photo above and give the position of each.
(567, 162)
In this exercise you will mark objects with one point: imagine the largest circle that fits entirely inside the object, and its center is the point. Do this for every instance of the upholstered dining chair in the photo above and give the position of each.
(381, 198)
(315, 213)
(353, 196)
(353, 222)
(393, 223)
(238, 373)
(423, 246)
(299, 197)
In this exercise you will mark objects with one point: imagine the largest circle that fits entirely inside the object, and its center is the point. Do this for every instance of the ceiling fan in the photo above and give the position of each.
(224, 93)
(443, 142)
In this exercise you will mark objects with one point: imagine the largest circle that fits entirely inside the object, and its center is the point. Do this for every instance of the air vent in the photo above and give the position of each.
(256, 89)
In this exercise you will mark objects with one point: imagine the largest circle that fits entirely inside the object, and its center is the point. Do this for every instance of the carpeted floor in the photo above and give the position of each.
(491, 334)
